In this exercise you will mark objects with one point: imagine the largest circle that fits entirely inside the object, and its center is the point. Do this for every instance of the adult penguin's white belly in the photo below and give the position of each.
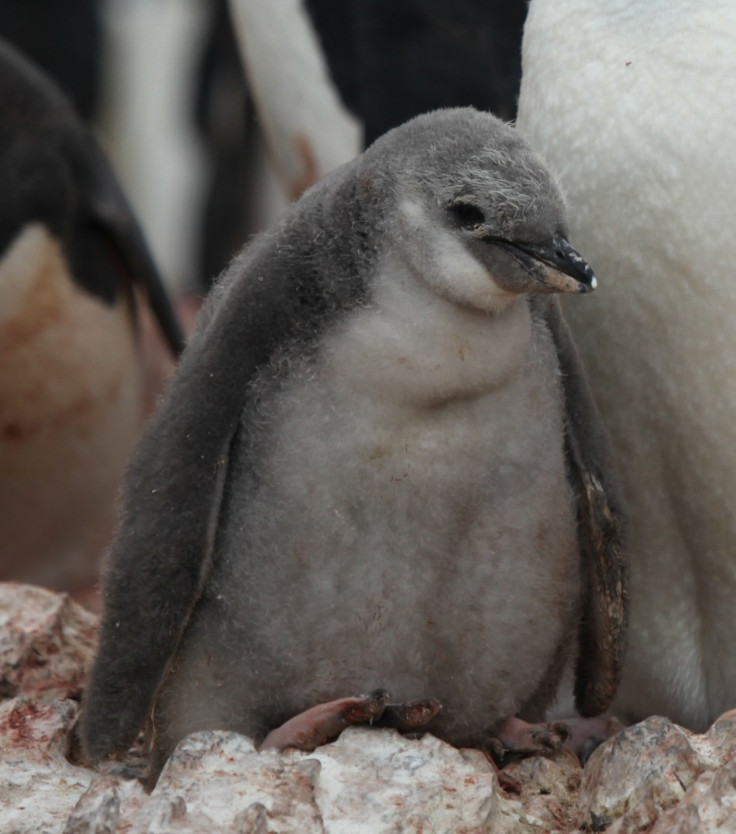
(633, 105)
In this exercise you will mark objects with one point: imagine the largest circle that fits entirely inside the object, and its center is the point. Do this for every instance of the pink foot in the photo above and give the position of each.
(585, 734)
(517, 738)
(324, 722)
(410, 716)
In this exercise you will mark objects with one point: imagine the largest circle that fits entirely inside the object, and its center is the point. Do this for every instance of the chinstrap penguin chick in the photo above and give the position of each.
(76, 379)
(633, 105)
(378, 466)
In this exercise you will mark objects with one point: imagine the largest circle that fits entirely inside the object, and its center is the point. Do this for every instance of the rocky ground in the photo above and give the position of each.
(652, 777)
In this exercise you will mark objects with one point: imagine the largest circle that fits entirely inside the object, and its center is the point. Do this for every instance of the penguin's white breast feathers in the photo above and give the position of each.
(414, 346)
(70, 405)
(63, 353)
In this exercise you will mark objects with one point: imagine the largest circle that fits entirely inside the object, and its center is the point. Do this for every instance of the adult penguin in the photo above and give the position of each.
(633, 106)
(76, 379)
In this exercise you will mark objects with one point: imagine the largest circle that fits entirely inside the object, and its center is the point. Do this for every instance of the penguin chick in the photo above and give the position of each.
(75, 381)
(378, 466)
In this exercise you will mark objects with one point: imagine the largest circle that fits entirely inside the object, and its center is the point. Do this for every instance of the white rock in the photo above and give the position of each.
(370, 781)
(654, 776)
(708, 807)
(46, 641)
(38, 786)
(373, 782)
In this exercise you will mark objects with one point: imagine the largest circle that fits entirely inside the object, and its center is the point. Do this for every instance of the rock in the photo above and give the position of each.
(367, 781)
(46, 643)
(654, 776)
(658, 774)
(649, 765)
(708, 807)
(371, 782)
(548, 791)
(38, 786)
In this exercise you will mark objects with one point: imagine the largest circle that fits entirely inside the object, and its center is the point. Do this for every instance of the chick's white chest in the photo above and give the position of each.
(414, 394)
(411, 473)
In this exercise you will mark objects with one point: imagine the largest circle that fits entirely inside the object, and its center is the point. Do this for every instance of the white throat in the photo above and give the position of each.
(412, 345)
(439, 257)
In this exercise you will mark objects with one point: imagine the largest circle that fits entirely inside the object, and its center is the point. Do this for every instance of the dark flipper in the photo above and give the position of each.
(602, 634)
(109, 215)
(272, 299)
(161, 555)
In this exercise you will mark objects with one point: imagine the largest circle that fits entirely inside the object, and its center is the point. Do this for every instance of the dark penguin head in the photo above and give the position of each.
(474, 212)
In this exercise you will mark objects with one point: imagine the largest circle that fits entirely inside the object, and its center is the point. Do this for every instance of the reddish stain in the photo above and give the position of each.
(15, 431)
(76, 413)
(34, 660)
(366, 183)
(18, 721)
(43, 307)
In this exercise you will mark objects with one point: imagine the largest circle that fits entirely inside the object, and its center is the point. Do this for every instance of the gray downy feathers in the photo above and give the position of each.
(378, 466)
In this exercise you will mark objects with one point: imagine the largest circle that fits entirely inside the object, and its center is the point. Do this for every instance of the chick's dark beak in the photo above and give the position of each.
(564, 269)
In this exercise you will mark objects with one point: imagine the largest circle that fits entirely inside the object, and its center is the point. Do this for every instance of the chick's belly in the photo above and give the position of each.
(473, 620)
(431, 553)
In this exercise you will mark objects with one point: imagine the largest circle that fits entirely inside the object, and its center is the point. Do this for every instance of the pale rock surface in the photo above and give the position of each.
(548, 796)
(46, 640)
(654, 776)
(658, 774)
(38, 786)
(368, 781)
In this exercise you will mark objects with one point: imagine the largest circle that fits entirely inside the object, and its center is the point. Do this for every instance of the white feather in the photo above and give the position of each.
(633, 105)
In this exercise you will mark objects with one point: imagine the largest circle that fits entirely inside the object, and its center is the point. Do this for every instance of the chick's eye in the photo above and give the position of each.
(467, 215)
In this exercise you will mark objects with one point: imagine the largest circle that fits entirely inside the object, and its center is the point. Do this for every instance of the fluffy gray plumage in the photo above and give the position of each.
(377, 467)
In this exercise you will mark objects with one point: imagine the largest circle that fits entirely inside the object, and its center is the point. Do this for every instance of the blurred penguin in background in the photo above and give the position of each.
(394, 59)
(633, 105)
(78, 371)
